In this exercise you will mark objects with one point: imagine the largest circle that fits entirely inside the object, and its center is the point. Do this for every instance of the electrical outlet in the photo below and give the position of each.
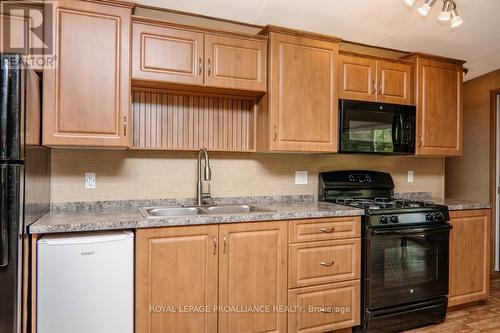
(89, 180)
(411, 176)
(300, 177)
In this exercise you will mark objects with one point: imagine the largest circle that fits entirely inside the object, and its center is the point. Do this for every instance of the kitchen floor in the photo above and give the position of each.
(481, 318)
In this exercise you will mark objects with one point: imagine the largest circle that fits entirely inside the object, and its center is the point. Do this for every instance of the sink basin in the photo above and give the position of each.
(169, 211)
(158, 212)
(236, 209)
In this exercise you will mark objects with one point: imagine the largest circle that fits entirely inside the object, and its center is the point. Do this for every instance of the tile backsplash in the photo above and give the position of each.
(124, 175)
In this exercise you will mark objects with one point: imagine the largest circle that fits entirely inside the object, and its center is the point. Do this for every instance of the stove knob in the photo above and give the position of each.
(383, 220)
(394, 219)
(438, 217)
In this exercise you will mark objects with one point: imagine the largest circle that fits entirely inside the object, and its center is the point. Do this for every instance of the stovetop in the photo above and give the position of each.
(374, 204)
(374, 192)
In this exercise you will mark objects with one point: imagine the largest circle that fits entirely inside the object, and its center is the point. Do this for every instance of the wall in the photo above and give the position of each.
(154, 175)
(468, 176)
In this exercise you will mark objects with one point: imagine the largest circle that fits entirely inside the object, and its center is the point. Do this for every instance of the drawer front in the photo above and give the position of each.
(324, 229)
(323, 262)
(324, 308)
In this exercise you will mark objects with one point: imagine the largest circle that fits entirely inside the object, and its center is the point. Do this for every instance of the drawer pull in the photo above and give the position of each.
(325, 310)
(328, 231)
(327, 264)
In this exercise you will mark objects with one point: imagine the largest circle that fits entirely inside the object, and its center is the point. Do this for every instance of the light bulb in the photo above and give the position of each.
(426, 7)
(410, 3)
(456, 20)
(445, 14)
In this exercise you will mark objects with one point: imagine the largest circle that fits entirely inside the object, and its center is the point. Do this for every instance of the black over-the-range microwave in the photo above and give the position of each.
(371, 127)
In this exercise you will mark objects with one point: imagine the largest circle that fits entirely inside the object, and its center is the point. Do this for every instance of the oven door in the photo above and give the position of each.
(368, 127)
(406, 265)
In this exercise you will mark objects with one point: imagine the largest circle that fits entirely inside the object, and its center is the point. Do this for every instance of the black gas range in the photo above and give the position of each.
(404, 251)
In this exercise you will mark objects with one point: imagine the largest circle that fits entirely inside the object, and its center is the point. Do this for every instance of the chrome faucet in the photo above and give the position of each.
(200, 195)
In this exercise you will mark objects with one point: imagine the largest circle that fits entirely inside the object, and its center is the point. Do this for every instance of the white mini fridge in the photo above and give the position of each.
(85, 283)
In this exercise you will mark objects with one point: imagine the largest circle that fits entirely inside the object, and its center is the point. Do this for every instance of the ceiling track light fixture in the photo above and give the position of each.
(448, 12)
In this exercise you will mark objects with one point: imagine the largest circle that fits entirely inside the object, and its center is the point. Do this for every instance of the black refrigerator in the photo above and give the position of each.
(24, 190)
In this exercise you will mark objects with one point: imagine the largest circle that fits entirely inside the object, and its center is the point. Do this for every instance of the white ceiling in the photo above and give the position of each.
(387, 23)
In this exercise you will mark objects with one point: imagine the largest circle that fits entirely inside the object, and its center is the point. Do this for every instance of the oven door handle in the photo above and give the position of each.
(412, 231)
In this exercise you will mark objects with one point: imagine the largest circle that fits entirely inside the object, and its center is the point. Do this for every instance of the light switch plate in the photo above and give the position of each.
(300, 177)
(90, 180)
(411, 176)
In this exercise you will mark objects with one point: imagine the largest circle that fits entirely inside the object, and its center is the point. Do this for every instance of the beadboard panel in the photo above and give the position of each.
(122, 175)
(183, 121)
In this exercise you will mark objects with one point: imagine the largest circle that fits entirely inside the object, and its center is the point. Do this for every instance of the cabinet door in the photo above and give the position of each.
(394, 82)
(87, 95)
(252, 272)
(469, 256)
(235, 63)
(303, 94)
(357, 78)
(176, 267)
(439, 108)
(326, 308)
(165, 54)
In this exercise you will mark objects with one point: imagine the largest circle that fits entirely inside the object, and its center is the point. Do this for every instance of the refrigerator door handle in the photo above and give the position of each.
(4, 218)
(4, 105)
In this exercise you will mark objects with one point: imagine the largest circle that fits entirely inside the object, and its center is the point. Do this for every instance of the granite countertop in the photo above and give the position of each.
(113, 215)
(455, 204)
(131, 218)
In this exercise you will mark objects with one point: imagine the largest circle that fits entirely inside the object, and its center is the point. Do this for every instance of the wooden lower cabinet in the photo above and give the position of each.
(325, 307)
(469, 256)
(225, 270)
(176, 267)
(252, 272)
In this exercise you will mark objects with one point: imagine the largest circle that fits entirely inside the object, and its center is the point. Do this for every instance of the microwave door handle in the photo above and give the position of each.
(397, 128)
(394, 126)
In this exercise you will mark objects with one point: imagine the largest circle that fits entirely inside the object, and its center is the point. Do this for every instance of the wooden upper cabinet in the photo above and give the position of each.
(439, 107)
(176, 267)
(469, 256)
(253, 272)
(303, 103)
(357, 78)
(235, 63)
(369, 79)
(87, 95)
(177, 55)
(165, 54)
(394, 82)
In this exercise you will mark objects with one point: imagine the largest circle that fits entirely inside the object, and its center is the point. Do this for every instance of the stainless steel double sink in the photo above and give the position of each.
(159, 212)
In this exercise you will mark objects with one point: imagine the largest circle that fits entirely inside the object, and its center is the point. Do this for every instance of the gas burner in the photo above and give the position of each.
(383, 203)
(407, 203)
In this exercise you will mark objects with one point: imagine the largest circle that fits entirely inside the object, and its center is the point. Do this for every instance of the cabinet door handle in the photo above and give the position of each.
(209, 67)
(275, 133)
(225, 245)
(374, 87)
(200, 66)
(125, 126)
(328, 231)
(327, 264)
(380, 88)
(420, 141)
(214, 239)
